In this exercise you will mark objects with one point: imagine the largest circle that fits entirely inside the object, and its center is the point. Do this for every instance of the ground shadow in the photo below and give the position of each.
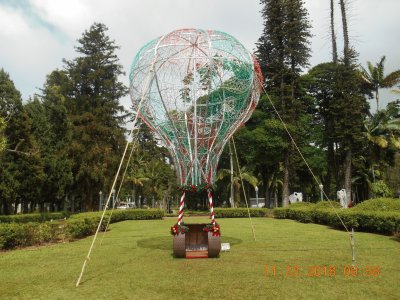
(165, 242)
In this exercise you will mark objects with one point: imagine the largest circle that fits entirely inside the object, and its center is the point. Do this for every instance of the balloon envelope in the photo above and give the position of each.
(194, 88)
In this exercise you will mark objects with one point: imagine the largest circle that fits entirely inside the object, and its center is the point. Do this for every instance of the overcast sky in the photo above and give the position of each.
(35, 35)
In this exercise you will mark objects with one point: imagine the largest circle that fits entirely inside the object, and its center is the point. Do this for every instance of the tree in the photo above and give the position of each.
(283, 51)
(21, 171)
(376, 78)
(149, 172)
(333, 35)
(3, 140)
(96, 116)
(244, 175)
(350, 91)
(52, 130)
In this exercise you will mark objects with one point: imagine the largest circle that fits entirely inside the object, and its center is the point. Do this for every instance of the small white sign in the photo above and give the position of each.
(225, 246)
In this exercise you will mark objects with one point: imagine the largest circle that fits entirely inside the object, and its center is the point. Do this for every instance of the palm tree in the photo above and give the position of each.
(383, 127)
(244, 175)
(137, 179)
(382, 130)
(376, 78)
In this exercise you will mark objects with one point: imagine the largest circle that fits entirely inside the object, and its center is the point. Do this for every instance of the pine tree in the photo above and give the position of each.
(354, 106)
(96, 116)
(3, 140)
(52, 129)
(283, 51)
(21, 172)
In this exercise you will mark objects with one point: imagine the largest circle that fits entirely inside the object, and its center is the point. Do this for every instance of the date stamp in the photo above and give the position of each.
(296, 271)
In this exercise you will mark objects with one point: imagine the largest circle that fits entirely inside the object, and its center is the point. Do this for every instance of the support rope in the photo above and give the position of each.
(116, 175)
(244, 192)
(351, 234)
(116, 197)
(304, 160)
(105, 207)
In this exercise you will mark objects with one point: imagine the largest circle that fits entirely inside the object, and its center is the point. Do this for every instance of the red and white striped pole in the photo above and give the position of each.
(181, 204)
(210, 202)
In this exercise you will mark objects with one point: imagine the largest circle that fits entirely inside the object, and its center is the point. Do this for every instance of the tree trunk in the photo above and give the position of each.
(6, 208)
(331, 169)
(237, 197)
(285, 192)
(267, 199)
(134, 193)
(346, 43)
(232, 197)
(377, 99)
(333, 35)
(73, 203)
(347, 176)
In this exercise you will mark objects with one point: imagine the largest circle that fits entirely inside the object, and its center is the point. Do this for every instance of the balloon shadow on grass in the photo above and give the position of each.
(165, 242)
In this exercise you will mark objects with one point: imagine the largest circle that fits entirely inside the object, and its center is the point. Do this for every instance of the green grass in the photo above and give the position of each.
(135, 262)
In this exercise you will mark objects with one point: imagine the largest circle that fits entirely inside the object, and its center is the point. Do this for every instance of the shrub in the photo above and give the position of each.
(369, 221)
(239, 212)
(122, 215)
(327, 204)
(27, 234)
(380, 189)
(379, 204)
(26, 218)
(79, 228)
(84, 224)
(19, 234)
(301, 204)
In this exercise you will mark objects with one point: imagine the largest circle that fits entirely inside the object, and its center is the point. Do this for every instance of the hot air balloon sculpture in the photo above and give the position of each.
(194, 88)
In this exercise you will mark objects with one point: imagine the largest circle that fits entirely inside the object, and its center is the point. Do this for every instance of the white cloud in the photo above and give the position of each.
(68, 16)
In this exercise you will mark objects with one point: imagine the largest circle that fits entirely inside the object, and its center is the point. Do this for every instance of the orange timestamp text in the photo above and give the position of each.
(295, 271)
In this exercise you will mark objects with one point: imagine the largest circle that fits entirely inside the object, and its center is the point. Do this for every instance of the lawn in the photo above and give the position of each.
(304, 261)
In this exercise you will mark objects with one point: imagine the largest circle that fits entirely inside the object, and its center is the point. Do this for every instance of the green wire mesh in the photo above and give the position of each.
(194, 88)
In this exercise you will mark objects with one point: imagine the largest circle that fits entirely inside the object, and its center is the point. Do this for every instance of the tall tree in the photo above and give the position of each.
(52, 129)
(376, 78)
(96, 116)
(3, 140)
(283, 50)
(21, 172)
(354, 106)
(333, 35)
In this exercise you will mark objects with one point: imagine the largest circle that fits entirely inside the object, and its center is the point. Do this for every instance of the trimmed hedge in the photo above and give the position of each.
(368, 221)
(240, 212)
(379, 204)
(26, 234)
(16, 234)
(122, 215)
(36, 217)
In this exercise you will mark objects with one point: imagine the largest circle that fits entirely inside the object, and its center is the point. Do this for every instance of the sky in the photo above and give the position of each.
(36, 35)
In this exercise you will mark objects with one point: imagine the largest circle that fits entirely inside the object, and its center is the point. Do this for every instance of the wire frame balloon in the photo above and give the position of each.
(194, 88)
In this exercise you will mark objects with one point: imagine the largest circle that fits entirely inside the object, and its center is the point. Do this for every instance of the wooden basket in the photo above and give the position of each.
(196, 243)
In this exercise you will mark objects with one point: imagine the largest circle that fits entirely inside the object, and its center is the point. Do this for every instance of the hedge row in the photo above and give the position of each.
(379, 204)
(240, 212)
(122, 215)
(77, 226)
(369, 221)
(36, 217)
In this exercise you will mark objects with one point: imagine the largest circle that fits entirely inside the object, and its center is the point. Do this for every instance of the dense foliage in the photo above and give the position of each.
(29, 230)
(60, 149)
